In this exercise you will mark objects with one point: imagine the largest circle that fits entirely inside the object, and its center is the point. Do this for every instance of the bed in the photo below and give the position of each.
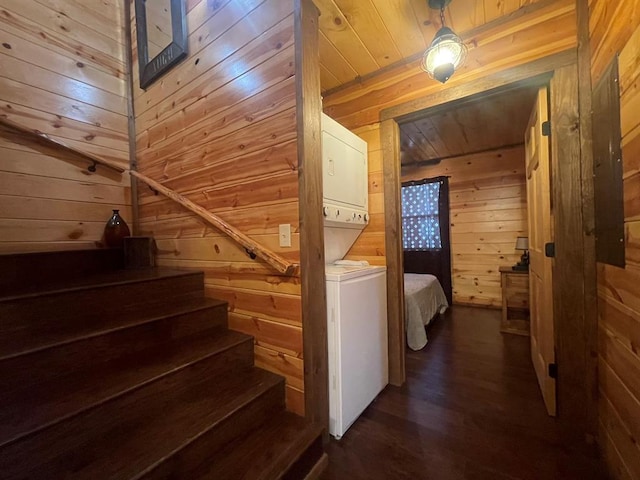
(424, 298)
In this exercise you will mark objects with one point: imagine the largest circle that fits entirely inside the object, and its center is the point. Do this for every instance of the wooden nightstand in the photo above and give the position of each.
(515, 301)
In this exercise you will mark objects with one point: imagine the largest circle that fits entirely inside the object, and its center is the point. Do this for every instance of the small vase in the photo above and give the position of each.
(115, 231)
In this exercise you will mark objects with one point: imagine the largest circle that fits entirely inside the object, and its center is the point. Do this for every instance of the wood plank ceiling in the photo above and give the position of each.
(359, 37)
(482, 125)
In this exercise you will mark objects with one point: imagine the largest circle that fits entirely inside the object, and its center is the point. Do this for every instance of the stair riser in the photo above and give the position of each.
(280, 444)
(54, 448)
(235, 358)
(47, 267)
(306, 462)
(185, 463)
(43, 365)
(27, 317)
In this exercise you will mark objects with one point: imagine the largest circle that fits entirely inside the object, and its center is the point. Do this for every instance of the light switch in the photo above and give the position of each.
(284, 230)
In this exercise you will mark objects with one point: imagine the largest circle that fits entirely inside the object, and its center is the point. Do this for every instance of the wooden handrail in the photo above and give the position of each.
(252, 247)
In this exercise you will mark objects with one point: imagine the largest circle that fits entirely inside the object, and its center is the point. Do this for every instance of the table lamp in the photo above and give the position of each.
(522, 243)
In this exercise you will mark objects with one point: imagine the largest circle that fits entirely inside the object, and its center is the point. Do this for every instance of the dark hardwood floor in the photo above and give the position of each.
(470, 409)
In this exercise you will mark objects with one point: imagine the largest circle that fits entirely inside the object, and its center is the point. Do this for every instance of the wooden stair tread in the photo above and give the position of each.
(265, 454)
(132, 434)
(55, 398)
(133, 374)
(19, 341)
(99, 280)
(39, 269)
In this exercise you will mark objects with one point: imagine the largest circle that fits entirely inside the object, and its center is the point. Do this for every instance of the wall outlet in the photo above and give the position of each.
(284, 233)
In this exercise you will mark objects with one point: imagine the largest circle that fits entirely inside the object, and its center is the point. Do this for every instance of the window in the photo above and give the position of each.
(420, 216)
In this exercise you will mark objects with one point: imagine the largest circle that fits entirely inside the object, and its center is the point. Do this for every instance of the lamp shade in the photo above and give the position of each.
(444, 55)
(522, 243)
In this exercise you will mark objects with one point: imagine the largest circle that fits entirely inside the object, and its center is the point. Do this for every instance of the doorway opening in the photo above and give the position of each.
(480, 151)
(478, 147)
(573, 338)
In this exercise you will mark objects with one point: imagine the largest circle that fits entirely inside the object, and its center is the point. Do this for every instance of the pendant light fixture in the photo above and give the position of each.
(446, 52)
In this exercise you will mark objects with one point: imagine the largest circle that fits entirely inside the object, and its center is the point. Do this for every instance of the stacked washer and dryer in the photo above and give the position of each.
(356, 292)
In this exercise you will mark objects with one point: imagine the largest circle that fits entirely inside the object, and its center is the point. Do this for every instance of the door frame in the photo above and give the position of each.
(574, 299)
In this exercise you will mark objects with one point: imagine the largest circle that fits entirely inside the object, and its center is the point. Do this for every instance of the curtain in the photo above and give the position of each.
(420, 220)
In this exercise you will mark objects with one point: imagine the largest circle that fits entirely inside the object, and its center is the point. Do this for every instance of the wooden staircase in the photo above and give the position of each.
(107, 373)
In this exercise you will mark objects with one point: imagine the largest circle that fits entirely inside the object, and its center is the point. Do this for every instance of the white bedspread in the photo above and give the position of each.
(423, 298)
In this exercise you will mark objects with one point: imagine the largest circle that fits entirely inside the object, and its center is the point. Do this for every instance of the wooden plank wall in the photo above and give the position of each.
(488, 204)
(220, 128)
(497, 46)
(62, 71)
(370, 244)
(615, 28)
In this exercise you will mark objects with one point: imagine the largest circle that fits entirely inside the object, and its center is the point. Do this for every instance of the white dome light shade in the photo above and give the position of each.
(446, 53)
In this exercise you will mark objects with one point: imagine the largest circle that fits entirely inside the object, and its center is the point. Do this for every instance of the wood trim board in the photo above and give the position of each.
(532, 73)
(390, 137)
(314, 303)
(588, 214)
(133, 162)
(573, 333)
